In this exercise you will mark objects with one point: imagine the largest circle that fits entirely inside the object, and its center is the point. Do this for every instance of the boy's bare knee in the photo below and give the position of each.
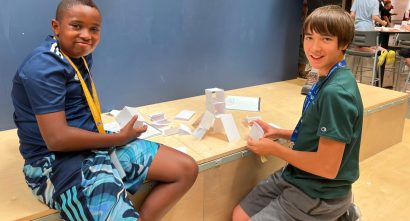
(189, 168)
(238, 214)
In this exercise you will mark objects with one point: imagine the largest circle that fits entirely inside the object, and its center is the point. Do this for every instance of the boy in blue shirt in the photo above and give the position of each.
(70, 163)
(324, 161)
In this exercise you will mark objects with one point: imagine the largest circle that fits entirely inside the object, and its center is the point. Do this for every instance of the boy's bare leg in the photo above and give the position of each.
(239, 214)
(175, 172)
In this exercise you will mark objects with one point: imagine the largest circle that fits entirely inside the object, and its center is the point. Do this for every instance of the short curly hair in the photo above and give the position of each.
(67, 4)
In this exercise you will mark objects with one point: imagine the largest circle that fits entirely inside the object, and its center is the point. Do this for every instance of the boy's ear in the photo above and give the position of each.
(55, 25)
(343, 48)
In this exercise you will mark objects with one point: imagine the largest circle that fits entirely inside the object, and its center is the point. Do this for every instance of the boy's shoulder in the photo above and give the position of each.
(46, 54)
(342, 81)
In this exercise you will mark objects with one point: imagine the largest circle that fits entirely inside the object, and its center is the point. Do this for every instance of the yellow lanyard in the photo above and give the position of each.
(93, 102)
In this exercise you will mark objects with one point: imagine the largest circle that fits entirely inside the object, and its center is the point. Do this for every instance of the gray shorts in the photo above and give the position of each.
(275, 199)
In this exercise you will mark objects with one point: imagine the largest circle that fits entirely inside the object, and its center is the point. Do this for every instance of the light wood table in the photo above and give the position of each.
(227, 170)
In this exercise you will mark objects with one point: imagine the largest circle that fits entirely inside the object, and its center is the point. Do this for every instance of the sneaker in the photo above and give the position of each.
(391, 57)
(352, 214)
(382, 58)
(303, 74)
(311, 79)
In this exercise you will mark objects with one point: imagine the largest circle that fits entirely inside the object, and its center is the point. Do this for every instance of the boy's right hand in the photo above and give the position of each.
(268, 130)
(129, 132)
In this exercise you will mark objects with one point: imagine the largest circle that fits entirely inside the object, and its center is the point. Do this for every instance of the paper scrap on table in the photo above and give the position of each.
(182, 149)
(114, 127)
(184, 129)
(242, 103)
(151, 131)
(247, 120)
(168, 130)
(161, 123)
(157, 116)
(257, 133)
(185, 115)
(114, 113)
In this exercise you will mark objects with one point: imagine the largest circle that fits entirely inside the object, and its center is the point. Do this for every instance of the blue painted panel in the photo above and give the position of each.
(159, 50)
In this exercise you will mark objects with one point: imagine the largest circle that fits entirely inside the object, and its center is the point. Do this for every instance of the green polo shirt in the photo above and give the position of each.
(337, 114)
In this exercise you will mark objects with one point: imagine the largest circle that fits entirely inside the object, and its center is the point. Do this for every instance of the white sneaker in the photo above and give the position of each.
(352, 214)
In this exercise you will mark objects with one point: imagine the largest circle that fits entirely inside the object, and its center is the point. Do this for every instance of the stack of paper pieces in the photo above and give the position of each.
(158, 120)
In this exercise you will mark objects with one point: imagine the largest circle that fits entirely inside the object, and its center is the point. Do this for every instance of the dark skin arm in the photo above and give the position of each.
(59, 136)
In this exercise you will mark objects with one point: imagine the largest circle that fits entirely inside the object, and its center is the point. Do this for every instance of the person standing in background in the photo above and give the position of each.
(385, 13)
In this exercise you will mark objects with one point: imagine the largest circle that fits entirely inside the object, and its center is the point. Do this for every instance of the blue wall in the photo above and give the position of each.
(159, 50)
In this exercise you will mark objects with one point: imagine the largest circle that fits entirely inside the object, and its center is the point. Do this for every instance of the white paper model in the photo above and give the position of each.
(256, 133)
(125, 116)
(215, 116)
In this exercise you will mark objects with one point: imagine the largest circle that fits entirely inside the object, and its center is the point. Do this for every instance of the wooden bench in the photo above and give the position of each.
(16, 202)
(227, 170)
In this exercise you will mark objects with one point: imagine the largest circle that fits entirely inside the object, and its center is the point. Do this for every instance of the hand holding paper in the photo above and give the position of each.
(130, 132)
(257, 133)
(125, 115)
(270, 130)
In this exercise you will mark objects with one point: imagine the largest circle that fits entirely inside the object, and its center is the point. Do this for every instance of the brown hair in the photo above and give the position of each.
(331, 20)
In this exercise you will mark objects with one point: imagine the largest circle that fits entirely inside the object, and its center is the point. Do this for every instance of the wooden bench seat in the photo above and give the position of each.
(16, 199)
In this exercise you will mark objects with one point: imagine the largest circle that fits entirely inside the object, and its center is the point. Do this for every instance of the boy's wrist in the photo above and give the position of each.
(119, 139)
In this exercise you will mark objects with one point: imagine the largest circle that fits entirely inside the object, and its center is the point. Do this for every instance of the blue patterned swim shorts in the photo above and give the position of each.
(102, 194)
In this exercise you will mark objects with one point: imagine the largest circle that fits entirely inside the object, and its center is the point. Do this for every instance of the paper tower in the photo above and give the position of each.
(216, 117)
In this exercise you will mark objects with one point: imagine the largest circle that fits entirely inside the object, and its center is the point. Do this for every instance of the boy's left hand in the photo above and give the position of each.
(129, 132)
(263, 146)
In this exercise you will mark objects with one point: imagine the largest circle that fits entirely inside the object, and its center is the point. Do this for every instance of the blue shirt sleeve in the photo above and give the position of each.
(44, 79)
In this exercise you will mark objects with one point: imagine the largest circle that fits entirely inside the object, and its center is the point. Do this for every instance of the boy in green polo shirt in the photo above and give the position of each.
(324, 160)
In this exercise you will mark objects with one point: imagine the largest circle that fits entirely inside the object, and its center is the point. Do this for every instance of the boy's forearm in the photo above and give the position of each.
(285, 134)
(76, 139)
(377, 19)
(309, 162)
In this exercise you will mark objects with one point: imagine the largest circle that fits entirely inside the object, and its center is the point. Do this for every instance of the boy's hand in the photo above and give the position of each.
(262, 146)
(131, 133)
(268, 130)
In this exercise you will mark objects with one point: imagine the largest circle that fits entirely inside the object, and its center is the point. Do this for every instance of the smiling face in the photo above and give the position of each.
(322, 51)
(327, 31)
(78, 30)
